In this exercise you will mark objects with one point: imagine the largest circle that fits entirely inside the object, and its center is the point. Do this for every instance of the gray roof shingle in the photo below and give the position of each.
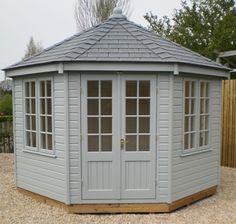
(117, 40)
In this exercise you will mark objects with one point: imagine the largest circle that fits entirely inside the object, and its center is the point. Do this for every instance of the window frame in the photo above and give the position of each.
(198, 148)
(24, 114)
(38, 149)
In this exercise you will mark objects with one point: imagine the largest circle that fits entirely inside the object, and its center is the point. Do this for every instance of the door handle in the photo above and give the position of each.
(122, 143)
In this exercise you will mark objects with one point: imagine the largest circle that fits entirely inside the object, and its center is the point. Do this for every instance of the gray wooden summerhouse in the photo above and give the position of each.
(115, 118)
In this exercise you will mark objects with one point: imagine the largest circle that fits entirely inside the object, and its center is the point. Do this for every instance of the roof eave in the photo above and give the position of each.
(175, 68)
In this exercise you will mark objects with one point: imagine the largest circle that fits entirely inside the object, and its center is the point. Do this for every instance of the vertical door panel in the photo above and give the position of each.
(138, 102)
(100, 157)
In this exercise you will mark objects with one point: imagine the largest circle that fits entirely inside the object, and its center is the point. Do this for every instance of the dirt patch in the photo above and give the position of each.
(17, 208)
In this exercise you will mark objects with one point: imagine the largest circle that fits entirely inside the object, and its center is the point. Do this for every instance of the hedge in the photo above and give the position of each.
(6, 118)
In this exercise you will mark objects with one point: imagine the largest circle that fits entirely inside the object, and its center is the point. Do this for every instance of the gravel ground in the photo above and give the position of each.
(17, 208)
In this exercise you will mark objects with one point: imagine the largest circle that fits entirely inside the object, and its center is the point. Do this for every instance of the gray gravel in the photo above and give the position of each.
(17, 208)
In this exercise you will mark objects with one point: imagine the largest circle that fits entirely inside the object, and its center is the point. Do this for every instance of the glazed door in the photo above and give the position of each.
(100, 138)
(138, 145)
(118, 137)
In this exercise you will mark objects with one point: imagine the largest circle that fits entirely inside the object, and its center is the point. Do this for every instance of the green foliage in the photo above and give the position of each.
(204, 26)
(6, 118)
(6, 104)
(32, 48)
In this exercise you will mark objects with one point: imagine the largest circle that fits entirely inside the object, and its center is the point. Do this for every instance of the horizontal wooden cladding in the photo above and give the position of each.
(123, 208)
(228, 146)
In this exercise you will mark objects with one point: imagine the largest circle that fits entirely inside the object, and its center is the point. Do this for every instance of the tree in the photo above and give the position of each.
(33, 48)
(89, 13)
(204, 26)
(6, 104)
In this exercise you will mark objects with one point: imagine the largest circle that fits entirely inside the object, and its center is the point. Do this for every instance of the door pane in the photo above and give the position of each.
(106, 107)
(144, 143)
(93, 90)
(144, 88)
(131, 106)
(144, 107)
(131, 88)
(106, 125)
(131, 143)
(93, 143)
(131, 125)
(144, 125)
(92, 107)
(106, 88)
(93, 125)
(106, 143)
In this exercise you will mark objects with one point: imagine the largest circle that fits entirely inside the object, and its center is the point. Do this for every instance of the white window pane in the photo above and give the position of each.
(201, 139)
(42, 88)
(202, 123)
(106, 143)
(207, 90)
(131, 88)
(131, 125)
(144, 143)
(33, 122)
(93, 125)
(193, 107)
(144, 125)
(192, 124)
(33, 106)
(49, 88)
(106, 88)
(93, 88)
(193, 89)
(144, 88)
(144, 107)
(43, 124)
(49, 141)
(106, 107)
(187, 104)
(33, 89)
(33, 139)
(131, 107)
(93, 143)
(49, 124)
(187, 88)
(42, 106)
(106, 125)
(43, 141)
(186, 141)
(131, 143)
(93, 107)
(192, 140)
(49, 106)
(186, 124)
(27, 88)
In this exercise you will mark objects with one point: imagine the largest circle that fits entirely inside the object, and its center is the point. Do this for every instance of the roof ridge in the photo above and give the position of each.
(105, 33)
(139, 40)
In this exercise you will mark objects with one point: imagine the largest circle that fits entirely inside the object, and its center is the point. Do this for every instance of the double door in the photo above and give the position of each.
(119, 132)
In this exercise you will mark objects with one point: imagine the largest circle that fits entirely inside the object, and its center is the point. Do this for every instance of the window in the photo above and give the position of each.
(38, 115)
(196, 114)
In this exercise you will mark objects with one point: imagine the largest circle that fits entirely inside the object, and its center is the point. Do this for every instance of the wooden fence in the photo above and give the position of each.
(6, 135)
(228, 136)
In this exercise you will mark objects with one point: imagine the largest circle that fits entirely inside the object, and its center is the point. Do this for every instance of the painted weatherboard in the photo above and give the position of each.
(193, 173)
(38, 173)
(74, 137)
(163, 137)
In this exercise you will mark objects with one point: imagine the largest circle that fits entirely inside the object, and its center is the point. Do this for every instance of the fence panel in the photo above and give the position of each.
(6, 135)
(228, 137)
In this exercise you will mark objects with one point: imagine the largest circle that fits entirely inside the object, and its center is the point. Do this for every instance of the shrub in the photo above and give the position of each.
(6, 105)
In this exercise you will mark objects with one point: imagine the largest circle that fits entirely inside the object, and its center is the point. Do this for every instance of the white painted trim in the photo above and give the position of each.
(176, 69)
(119, 66)
(14, 131)
(39, 153)
(170, 148)
(66, 146)
(196, 152)
(60, 68)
